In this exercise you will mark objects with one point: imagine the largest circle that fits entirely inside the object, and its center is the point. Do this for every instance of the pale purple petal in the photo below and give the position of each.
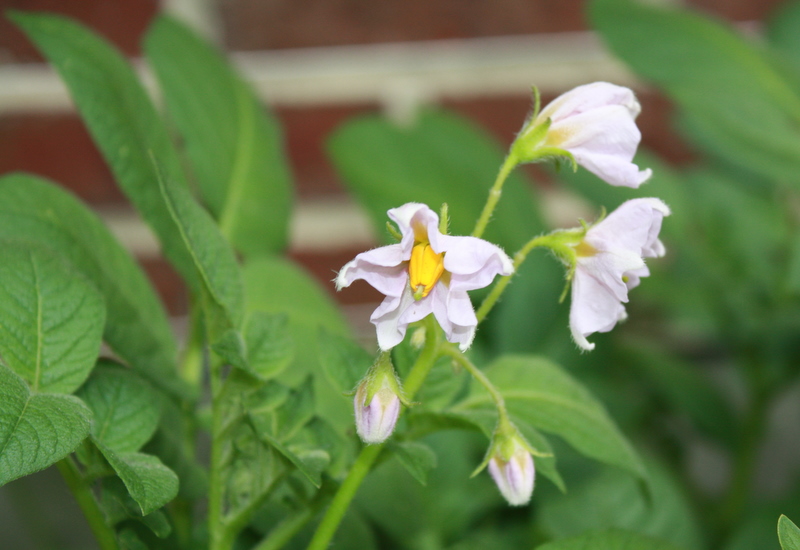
(587, 97)
(462, 318)
(473, 262)
(375, 421)
(386, 319)
(633, 226)
(634, 277)
(594, 308)
(383, 268)
(412, 218)
(609, 267)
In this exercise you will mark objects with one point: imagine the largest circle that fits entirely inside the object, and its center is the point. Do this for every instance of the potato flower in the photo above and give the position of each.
(593, 125)
(426, 272)
(610, 261)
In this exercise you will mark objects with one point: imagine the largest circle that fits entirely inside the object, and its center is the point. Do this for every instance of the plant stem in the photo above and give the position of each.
(494, 195)
(347, 491)
(478, 374)
(83, 494)
(498, 289)
(216, 527)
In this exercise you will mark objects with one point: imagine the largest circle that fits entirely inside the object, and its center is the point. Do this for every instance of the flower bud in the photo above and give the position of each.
(377, 402)
(375, 419)
(514, 477)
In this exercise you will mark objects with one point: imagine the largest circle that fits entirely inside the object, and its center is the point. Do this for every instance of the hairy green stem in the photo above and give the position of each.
(498, 289)
(216, 527)
(478, 375)
(104, 534)
(347, 491)
(494, 194)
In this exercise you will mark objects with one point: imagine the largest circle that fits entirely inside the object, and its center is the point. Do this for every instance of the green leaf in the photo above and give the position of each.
(278, 286)
(118, 506)
(310, 466)
(136, 324)
(265, 350)
(149, 482)
(120, 117)
(440, 158)
(51, 319)
(345, 362)
(234, 144)
(736, 102)
(788, 534)
(417, 458)
(211, 254)
(126, 408)
(611, 539)
(609, 498)
(545, 396)
(36, 430)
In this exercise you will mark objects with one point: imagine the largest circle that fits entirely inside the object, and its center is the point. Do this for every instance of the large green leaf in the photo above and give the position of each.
(119, 116)
(611, 539)
(149, 482)
(233, 143)
(212, 256)
(51, 319)
(136, 324)
(36, 430)
(783, 31)
(440, 158)
(547, 397)
(788, 533)
(126, 409)
(736, 102)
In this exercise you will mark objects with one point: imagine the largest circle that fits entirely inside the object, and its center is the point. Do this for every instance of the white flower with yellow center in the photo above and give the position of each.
(426, 272)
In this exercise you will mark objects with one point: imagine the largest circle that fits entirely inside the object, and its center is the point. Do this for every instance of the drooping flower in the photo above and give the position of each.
(426, 272)
(593, 125)
(609, 262)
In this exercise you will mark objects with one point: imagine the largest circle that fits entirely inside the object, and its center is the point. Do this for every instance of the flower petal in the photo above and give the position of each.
(473, 262)
(587, 97)
(383, 268)
(594, 308)
(386, 318)
(633, 226)
(463, 319)
(412, 218)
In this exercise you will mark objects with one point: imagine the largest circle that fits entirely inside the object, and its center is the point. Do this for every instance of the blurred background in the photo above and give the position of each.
(703, 376)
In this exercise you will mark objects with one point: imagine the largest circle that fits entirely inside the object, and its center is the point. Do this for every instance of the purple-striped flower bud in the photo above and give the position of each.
(514, 476)
(377, 401)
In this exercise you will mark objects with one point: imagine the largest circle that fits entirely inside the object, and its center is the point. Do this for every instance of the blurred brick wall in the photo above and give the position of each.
(57, 146)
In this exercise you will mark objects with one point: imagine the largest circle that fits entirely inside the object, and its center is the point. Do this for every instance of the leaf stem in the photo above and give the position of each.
(494, 194)
(369, 453)
(104, 534)
(498, 289)
(469, 366)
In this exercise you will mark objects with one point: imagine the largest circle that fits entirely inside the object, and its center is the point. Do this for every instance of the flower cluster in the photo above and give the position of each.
(430, 272)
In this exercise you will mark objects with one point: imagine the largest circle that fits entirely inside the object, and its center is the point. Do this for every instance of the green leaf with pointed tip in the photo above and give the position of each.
(118, 506)
(126, 408)
(36, 430)
(344, 362)
(788, 533)
(269, 344)
(136, 324)
(120, 117)
(735, 101)
(51, 319)
(417, 458)
(311, 467)
(212, 256)
(439, 158)
(611, 539)
(232, 141)
(149, 482)
(542, 394)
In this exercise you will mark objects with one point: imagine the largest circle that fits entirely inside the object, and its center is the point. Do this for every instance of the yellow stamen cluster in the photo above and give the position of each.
(424, 269)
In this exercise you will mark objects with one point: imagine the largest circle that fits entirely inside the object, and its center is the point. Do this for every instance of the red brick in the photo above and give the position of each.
(259, 24)
(121, 21)
(57, 146)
